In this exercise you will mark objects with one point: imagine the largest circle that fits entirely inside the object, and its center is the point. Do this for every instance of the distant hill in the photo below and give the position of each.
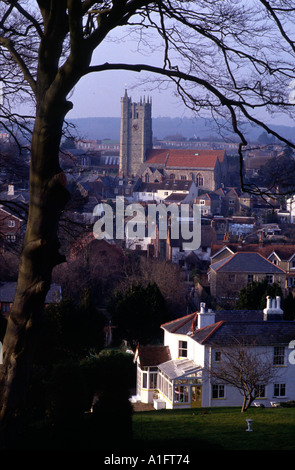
(109, 128)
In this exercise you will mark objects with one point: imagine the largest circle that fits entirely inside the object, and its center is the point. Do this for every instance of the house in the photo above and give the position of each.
(167, 191)
(7, 292)
(174, 375)
(11, 227)
(231, 274)
(231, 201)
(210, 204)
(284, 257)
(281, 255)
(126, 187)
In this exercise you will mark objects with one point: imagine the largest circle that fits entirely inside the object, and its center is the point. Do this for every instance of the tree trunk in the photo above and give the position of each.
(40, 254)
(244, 405)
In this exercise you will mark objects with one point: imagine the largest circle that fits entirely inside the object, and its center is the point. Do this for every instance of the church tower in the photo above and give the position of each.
(135, 135)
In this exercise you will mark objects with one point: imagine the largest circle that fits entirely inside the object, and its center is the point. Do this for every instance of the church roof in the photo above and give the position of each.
(188, 158)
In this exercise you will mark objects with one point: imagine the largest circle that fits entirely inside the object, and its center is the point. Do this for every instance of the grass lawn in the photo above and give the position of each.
(214, 428)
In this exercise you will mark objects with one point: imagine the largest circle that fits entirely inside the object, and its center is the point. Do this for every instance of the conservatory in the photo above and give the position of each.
(179, 384)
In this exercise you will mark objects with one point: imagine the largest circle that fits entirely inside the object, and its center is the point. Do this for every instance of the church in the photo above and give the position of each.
(207, 168)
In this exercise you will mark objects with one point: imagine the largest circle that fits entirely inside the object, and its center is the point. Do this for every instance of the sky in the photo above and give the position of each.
(99, 94)
(104, 91)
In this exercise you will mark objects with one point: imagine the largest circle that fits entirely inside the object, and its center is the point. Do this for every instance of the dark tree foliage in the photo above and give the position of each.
(253, 296)
(278, 174)
(138, 313)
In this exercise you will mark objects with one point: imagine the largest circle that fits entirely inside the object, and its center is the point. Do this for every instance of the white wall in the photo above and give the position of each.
(203, 355)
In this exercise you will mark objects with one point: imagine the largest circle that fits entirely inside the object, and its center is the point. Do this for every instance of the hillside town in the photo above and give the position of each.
(246, 238)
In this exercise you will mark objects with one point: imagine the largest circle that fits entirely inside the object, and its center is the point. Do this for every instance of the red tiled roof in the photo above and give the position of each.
(191, 158)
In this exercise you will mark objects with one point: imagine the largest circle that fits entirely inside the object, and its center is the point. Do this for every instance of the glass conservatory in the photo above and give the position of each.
(180, 383)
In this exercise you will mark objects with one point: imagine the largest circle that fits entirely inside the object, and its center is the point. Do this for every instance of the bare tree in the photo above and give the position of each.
(244, 366)
(46, 47)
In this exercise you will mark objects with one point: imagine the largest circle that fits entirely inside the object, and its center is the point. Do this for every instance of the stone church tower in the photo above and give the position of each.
(135, 135)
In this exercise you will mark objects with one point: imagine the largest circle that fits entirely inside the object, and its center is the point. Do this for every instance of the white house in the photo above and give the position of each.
(173, 375)
(168, 191)
(290, 205)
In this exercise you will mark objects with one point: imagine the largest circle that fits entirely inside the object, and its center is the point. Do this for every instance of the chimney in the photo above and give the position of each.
(10, 191)
(273, 309)
(205, 318)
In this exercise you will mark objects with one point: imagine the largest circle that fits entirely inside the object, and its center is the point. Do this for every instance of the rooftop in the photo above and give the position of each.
(192, 158)
(232, 325)
(246, 262)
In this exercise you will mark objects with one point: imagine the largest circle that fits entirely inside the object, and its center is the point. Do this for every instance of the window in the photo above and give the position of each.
(199, 180)
(218, 391)
(260, 390)
(250, 278)
(269, 278)
(5, 307)
(144, 379)
(11, 238)
(202, 202)
(279, 356)
(217, 356)
(279, 390)
(11, 223)
(182, 348)
(153, 377)
(181, 394)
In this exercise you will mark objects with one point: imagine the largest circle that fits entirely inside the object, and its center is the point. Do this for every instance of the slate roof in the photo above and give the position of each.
(229, 325)
(263, 333)
(7, 292)
(246, 262)
(181, 325)
(153, 355)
